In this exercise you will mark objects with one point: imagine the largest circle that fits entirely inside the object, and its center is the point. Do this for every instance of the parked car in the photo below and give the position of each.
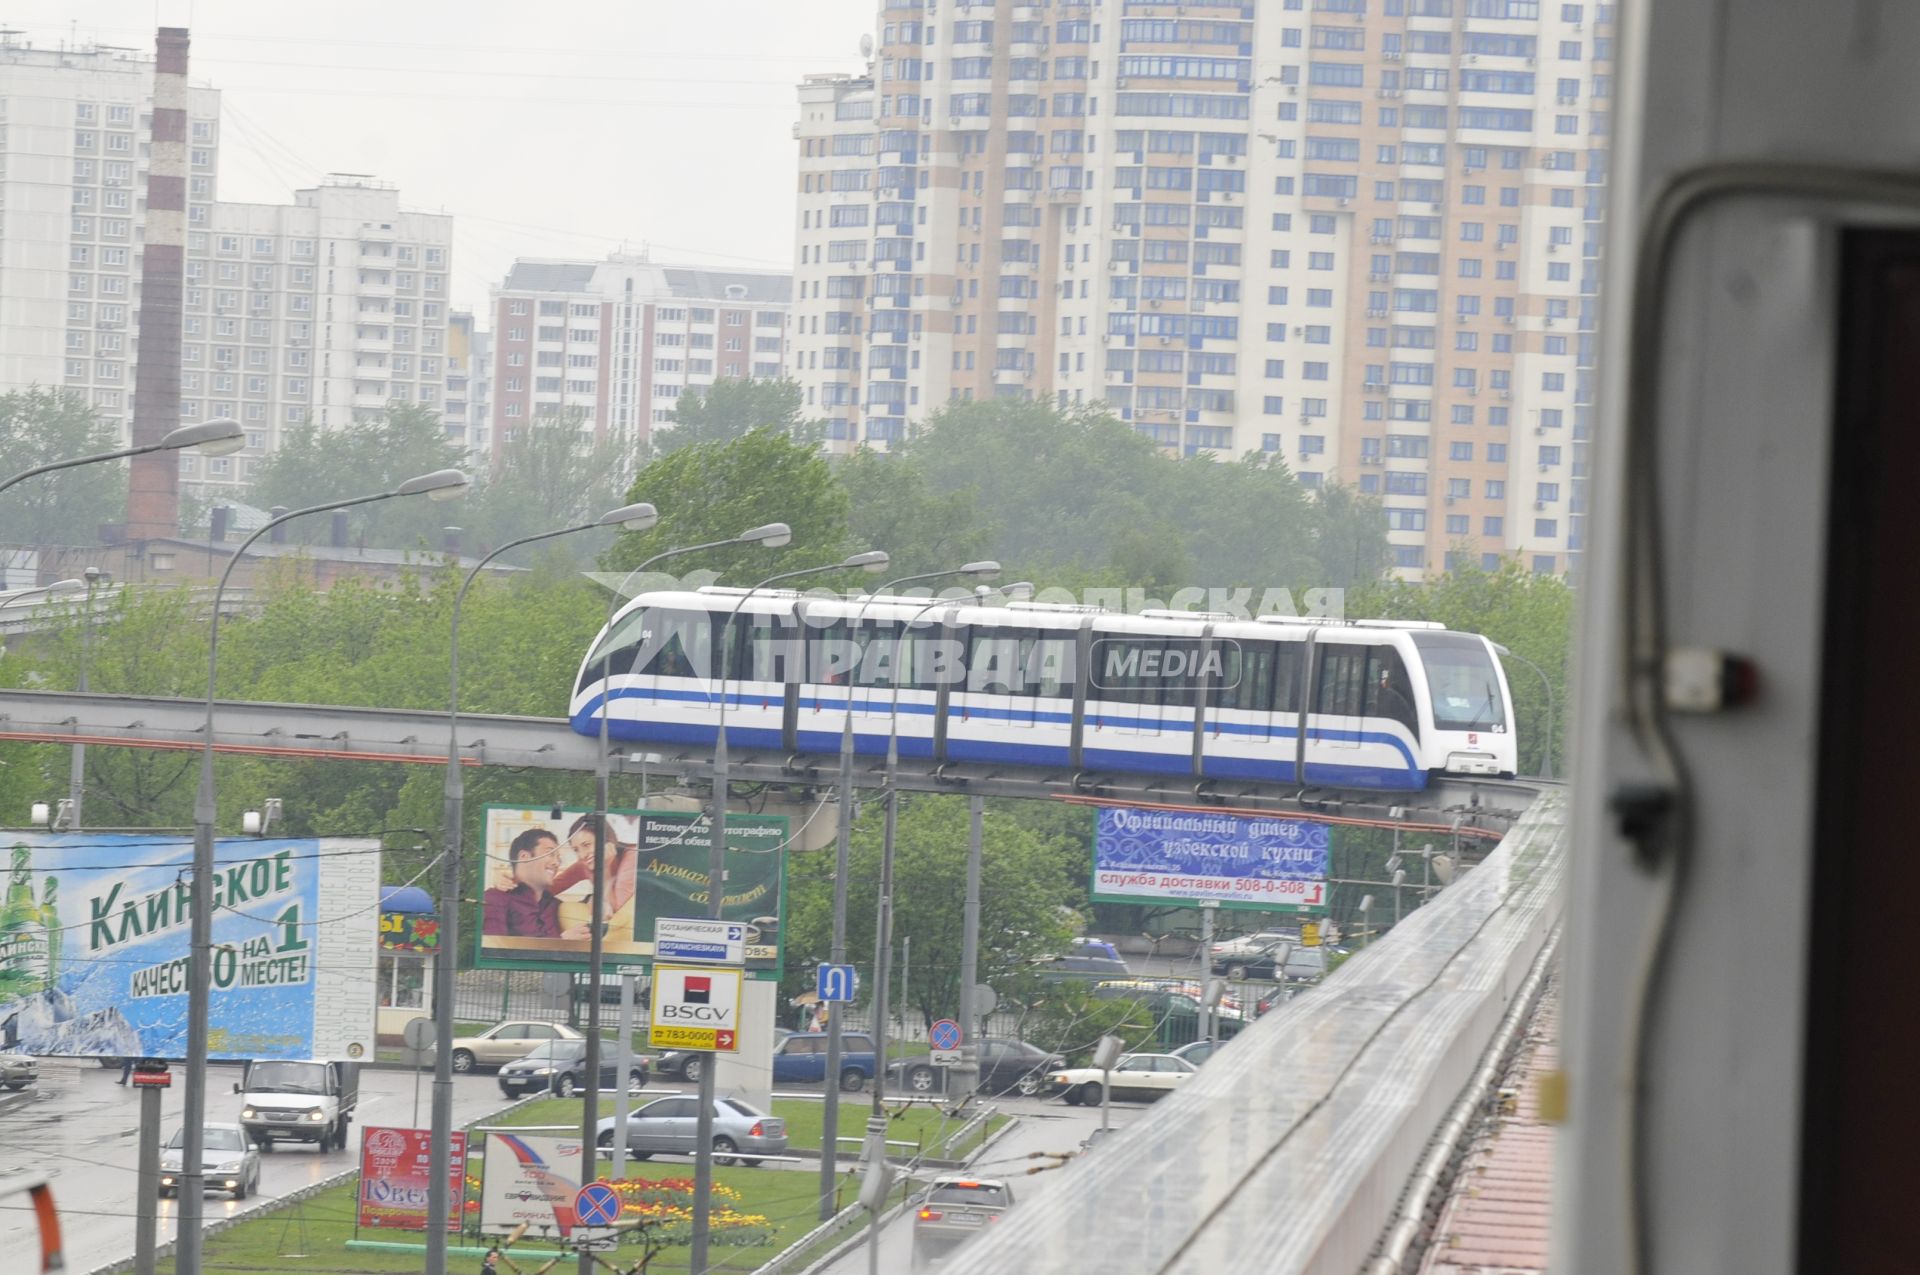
(1088, 959)
(687, 1064)
(561, 1066)
(229, 1161)
(670, 1126)
(610, 981)
(1006, 1066)
(1199, 1051)
(1248, 944)
(1142, 1077)
(1173, 1006)
(802, 1057)
(953, 1211)
(17, 1071)
(505, 1042)
(1303, 964)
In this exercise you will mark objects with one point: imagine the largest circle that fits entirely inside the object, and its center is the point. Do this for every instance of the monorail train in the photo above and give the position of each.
(1388, 704)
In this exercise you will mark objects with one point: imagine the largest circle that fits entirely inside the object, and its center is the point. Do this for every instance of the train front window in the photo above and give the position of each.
(1463, 682)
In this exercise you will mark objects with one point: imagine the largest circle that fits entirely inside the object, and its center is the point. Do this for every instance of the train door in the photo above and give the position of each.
(1339, 699)
(1238, 728)
(983, 724)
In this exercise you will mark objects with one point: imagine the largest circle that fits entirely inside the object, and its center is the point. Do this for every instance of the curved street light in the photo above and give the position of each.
(637, 517)
(874, 560)
(829, 1149)
(772, 535)
(441, 484)
(220, 437)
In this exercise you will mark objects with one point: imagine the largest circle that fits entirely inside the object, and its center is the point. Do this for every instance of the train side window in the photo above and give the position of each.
(1123, 673)
(1389, 692)
(616, 651)
(993, 662)
(1047, 662)
(1179, 671)
(765, 648)
(1245, 679)
(1342, 684)
(828, 652)
(882, 661)
(1288, 660)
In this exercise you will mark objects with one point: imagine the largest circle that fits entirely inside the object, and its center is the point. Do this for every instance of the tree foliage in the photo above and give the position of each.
(554, 475)
(715, 491)
(313, 466)
(39, 426)
(730, 409)
(1028, 881)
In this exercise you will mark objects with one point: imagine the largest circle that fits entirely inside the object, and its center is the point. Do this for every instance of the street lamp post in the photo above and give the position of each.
(773, 535)
(440, 1149)
(441, 484)
(1546, 747)
(77, 761)
(830, 1127)
(872, 560)
(876, 1145)
(214, 438)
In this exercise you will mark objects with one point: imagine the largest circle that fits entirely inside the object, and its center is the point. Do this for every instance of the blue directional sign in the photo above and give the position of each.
(835, 983)
(944, 1035)
(595, 1204)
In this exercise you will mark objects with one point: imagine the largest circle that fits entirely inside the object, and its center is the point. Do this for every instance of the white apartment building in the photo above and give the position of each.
(324, 310)
(1362, 237)
(614, 343)
(74, 151)
(467, 403)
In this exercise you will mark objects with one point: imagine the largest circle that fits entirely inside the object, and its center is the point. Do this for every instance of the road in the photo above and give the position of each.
(1045, 1125)
(78, 1125)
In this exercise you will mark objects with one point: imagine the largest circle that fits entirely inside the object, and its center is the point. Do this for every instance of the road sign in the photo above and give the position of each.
(944, 1039)
(1309, 934)
(596, 1204)
(695, 1007)
(418, 1034)
(709, 942)
(834, 983)
(985, 999)
(152, 1079)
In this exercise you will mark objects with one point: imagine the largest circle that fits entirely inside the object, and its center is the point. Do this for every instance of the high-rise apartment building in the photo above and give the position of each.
(1361, 235)
(75, 130)
(327, 310)
(469, 381)
(613, 344)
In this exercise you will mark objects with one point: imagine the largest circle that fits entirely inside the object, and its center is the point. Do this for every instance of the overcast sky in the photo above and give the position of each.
(548, 129)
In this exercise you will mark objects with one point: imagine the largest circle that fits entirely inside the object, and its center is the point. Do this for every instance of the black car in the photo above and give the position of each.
(1006, 1066)
(1303, 964)
(561, 1067)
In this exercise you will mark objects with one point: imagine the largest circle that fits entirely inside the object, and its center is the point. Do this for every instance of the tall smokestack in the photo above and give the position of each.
(153, 495)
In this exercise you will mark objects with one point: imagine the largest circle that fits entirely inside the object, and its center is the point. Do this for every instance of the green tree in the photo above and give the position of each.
(1027, 882)
(730, 409)
(553, 475)
(715, 491)
(1529, 613)
(38, 426)
(892, 507)
(312, 466)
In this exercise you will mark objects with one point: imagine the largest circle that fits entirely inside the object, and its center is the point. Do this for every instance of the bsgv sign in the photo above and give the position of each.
(695, 1007)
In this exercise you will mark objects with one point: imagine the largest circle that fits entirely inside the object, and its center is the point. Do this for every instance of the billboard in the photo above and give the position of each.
(94, 933)
(1160, 856)
(529, 1179)
(394, 1177)
(537, 892)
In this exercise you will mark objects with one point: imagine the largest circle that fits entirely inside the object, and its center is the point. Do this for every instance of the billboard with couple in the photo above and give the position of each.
(536, 902)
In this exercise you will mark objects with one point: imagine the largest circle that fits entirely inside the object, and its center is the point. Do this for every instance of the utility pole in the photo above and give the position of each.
(966, 1076)
(830, 1125)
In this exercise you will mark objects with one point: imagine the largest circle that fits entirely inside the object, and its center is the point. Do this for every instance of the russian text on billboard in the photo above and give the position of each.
(1240, 861)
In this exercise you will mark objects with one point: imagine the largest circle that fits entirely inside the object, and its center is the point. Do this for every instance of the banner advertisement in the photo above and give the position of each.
(1254, 862)
(536, 905)
(94, 934)
(394, 1178)
(409, 932)
(529, 1179)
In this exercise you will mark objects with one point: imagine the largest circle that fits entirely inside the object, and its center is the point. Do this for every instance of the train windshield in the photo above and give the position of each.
(1463, 682)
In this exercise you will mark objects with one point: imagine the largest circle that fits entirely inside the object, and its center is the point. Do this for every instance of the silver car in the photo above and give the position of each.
(954, 1210)
(228, 1160)
(669, 1126)
(17, 1071)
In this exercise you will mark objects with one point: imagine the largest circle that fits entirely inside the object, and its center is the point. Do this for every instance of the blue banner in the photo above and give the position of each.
(1237, 860)
(94, 934)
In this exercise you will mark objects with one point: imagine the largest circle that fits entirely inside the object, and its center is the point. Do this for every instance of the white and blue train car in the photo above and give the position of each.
(1379, 705)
